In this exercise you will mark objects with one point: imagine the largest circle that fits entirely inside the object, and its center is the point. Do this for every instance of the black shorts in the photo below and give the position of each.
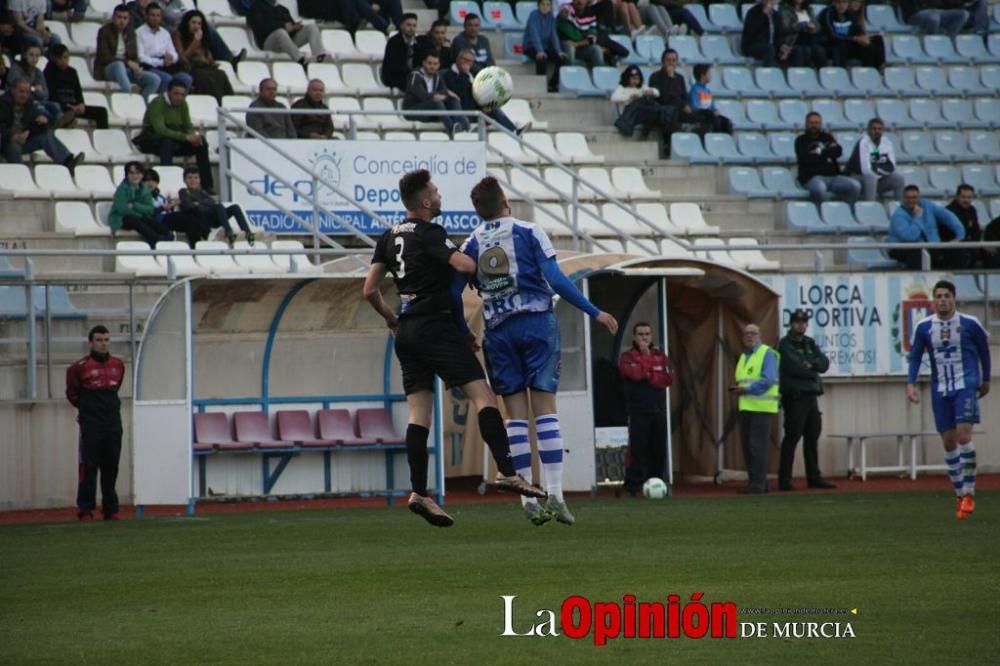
(429, 345)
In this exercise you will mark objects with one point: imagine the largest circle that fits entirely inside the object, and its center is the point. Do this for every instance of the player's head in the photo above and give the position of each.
(420, 195)
(944, 298)
(489, 199)
(99, 338)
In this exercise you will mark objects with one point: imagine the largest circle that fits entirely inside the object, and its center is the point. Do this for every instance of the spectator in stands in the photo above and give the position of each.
(351, 13)
(756, 388)
(703, 105)
(991, 256)
(679, 16)
(427, 91)
(640, 105)
(435, 39)
(199, 60)
(673, 93)
(271, 125)
(25, 128)
(274, 30)
(541, 43)
(872, 47)
(847, 40)
(458, 79)
(166, 211)
(470, 38)
(763, 39)
(29, 22)
(92, 385)
(933, 17)
(802, 34)
(390, 11)
(627, 12)
(605, 12)
(873, 162)
(961, 207)
(157, 54)
(77, 9)
(133, 209)
(212, 214)
(318, 125)
(11, 39)
(917, 221)
(397, 62)
(117, 57)
(655, 13)
(578, 35)
(65, 90)
(167, 131)
(174, 17)
(979, 17)
(26, 68)
(172, 11)
(817, 152)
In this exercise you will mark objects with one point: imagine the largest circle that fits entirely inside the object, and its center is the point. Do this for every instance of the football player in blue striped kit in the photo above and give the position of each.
(517, 276)
(959, 351)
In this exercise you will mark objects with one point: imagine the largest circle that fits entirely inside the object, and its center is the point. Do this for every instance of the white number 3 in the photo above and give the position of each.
(399, 257)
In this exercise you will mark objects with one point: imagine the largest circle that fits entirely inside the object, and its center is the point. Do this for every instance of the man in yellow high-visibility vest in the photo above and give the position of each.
(757, 388)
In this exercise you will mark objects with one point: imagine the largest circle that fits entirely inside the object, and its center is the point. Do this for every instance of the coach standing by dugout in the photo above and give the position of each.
(92, 385)
(757, 388)
(802, 362)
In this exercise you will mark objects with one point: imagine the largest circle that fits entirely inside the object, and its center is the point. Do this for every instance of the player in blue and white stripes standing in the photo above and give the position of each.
(958, 347)
(516, 275)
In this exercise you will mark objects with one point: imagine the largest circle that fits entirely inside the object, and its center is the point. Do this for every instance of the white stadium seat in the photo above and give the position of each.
(688, 217)
(95, 180)
(141, 266)
(301, 261)
(16, 179)
(218, 263)
(184, 264)
(76, 217)
(57, 179)
(574, 146)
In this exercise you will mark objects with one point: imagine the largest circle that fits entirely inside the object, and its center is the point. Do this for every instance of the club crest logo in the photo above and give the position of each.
(326, 165)
(916, 305)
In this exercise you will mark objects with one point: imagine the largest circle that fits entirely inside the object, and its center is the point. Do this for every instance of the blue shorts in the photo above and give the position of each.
(960, 407)
(523, 352)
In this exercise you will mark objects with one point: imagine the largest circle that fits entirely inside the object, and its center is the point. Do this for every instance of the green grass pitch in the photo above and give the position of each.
(379, 586)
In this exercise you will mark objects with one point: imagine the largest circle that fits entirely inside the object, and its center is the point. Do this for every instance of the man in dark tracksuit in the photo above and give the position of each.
(92, 385)
(802, 362)
(647, 373)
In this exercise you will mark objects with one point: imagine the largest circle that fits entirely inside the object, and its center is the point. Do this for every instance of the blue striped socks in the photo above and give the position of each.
(953, 460)
(550, 450)
(520, 449)
(967, 452)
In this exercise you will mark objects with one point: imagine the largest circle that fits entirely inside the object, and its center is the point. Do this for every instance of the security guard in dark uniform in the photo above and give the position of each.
(802, 362)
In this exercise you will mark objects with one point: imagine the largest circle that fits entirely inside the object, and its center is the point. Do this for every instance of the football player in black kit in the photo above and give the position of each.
(432, 338)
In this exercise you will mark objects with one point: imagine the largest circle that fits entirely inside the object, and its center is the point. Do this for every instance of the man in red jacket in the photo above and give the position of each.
(647, 373)
(92, 385)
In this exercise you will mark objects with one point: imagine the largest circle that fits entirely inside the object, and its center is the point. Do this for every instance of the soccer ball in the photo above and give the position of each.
(655, 488)
(492, 88)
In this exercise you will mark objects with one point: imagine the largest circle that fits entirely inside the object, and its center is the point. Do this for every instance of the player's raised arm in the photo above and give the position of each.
(568, 291)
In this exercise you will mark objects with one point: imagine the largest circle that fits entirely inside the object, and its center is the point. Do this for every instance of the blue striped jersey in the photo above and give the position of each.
(958, 347)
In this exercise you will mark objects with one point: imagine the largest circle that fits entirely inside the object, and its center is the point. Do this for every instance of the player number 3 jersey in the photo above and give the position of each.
(957, 347)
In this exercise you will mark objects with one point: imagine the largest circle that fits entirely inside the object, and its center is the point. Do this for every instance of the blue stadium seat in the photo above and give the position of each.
(780, 181)
(988, 110)
(994, 209)
(802, 216)
(718, 85)
(872, 216)
(687, 49)
(882, 18)
(772, 81)
(459, 8)
(701, 16)
(869, 80)
(686, 145)
(650, 47)
(901, 80)
(793, 112)
(746, 181)
(14, 305)
(838, 215)
(523, 9)
(941, 48)
(993, 43)
(945, 178)
(632, 58)
(606, 78)
(736, 112)
(927, 112)
(764, 113)
(834, 81)
(740, 79)
(973, 49)
(907, 49)
(965, 80)
(513, 46)
(833, 114)
(895, 114)
(725, 17)
(982, 178)
(870, 258)
(500, 16)
(755, 148)
(915, 175)
(934, 80)
(919, 146)
(718, 49)
(952, 145)
(576, 79)
(723, 149)
(989, 75)
(803, 81)
(847, 140)
(985, 145)
(783, 145)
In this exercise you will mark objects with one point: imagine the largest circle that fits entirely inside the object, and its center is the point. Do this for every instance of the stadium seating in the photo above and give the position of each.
(336, 425)
(802, 216)
(296, 426)
(746, 181)
(871, 259)
(753, 260)
(212, 432)
(218, 263)
(375, 425)
(575, 79)
(253, 428)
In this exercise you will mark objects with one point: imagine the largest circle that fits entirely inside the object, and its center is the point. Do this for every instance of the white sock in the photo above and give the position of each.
(520, 449)
(954, 462)
(968, 454)
(550, 450)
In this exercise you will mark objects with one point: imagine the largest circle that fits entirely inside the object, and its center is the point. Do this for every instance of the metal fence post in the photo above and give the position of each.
(32, 360)
(48, 342)
(224, 193)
